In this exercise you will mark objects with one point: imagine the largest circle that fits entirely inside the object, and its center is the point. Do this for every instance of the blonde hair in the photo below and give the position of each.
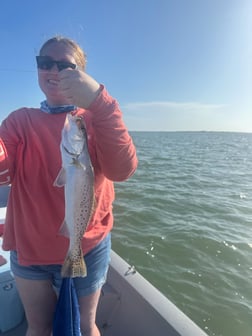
(79, 54)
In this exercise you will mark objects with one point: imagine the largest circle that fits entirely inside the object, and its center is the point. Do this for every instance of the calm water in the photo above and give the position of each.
(185, 221)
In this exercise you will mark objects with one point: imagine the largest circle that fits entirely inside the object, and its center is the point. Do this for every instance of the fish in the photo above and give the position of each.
(77, 177)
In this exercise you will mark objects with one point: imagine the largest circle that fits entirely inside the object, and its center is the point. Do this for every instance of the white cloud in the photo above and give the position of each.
(185, 116)
(166, 106)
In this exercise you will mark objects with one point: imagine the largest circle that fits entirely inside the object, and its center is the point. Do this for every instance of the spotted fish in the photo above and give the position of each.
(77, 176)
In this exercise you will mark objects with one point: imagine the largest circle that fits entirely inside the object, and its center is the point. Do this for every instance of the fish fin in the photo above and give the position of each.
(63, 230)
(60, 180)
(74, 267)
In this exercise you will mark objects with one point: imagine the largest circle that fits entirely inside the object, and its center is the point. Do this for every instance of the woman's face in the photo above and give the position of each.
(49, 79)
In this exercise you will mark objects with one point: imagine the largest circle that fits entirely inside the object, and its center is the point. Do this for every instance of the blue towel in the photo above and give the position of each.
(67, 314)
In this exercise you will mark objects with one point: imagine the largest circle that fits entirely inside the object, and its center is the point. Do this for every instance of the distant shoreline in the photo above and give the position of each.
(156, 131)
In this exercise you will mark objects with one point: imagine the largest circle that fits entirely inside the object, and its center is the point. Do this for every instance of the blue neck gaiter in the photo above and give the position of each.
(56, 109)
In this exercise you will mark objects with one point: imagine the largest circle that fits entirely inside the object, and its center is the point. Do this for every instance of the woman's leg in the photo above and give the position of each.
(39, 300)
(88, 307)
(89, 288)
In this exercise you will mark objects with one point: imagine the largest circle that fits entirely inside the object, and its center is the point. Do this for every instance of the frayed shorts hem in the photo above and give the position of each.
(97, 262)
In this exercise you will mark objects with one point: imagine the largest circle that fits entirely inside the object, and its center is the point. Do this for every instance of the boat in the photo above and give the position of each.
(129, 305)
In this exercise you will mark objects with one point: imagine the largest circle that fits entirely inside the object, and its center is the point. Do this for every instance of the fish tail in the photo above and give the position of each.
(74, 266)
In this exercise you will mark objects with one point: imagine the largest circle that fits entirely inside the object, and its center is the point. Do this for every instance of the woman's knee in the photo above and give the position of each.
(39, 301)
(90, 331)
(35, 331)
(88, 308)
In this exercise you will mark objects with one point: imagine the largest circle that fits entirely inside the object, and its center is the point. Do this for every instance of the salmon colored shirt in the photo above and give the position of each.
(30, 160)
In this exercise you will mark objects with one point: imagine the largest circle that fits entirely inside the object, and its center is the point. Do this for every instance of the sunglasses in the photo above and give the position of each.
(46, 63)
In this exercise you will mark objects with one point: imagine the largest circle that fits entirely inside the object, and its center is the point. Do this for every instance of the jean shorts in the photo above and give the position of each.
(97, 262)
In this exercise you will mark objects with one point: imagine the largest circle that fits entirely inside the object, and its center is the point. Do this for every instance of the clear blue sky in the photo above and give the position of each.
(171, 64)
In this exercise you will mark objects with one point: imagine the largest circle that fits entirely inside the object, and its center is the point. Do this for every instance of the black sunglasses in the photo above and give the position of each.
(46, 63)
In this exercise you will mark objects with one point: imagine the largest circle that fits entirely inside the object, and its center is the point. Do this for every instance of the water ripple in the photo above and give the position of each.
(184, 220)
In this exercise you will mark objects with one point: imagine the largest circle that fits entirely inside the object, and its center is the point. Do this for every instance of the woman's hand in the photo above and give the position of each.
(78, 87)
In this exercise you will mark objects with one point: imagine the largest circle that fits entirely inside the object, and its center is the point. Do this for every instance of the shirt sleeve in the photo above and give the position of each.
(8, 147)
(115, 149)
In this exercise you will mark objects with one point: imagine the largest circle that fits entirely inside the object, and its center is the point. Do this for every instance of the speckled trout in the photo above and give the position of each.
(77, 176)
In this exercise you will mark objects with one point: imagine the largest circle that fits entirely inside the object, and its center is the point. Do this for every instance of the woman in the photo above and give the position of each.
(30, 161)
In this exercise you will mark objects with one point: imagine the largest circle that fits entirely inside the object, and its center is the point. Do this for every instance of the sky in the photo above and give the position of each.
(173, 65)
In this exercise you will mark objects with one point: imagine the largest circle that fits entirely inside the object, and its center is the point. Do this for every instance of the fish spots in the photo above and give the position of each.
(79, 192)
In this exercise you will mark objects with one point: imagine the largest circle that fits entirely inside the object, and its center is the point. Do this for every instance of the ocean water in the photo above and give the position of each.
(184, 220)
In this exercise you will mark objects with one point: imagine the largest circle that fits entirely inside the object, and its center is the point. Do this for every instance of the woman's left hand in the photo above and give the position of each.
(78, 87)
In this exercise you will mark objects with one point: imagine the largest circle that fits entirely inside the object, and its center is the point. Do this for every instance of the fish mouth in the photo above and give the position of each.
(74, 155)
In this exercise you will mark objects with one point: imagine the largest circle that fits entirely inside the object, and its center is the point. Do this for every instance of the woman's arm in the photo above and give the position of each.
(115, 149)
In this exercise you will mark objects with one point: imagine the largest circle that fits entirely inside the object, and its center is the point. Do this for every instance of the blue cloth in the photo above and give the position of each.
(56, 109)
(67, 315)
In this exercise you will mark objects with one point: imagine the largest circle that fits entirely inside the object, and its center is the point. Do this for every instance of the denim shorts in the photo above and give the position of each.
(97, 262)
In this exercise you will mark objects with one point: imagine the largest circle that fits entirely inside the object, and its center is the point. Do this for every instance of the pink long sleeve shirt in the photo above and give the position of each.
(30, 160)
